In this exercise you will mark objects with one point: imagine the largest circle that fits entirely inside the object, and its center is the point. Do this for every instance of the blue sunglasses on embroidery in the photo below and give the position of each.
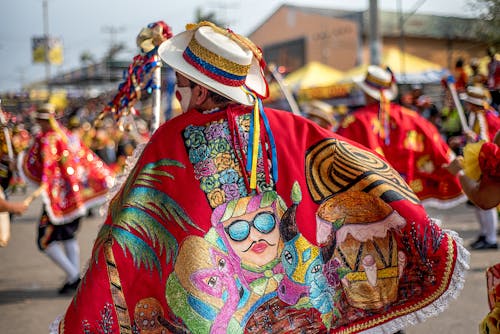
(263, 222)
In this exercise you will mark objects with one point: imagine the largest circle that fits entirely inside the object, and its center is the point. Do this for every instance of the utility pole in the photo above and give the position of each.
(402, 21)
(375, 40)
(46, 44)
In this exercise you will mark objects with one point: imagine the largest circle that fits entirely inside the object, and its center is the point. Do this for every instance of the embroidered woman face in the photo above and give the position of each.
(254, 236)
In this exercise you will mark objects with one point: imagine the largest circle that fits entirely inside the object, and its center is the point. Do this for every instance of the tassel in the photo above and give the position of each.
(254, 141)
(384, 117)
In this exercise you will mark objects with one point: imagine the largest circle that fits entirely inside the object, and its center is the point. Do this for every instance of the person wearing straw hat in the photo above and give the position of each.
(320, 112)
(411, 144)
(216, 230)
(70, 179)
(484, 123)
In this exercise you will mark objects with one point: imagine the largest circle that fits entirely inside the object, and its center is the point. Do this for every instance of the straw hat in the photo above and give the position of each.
(218, 59)
(376, 81)
(319, 109)
(476, 95)
(74, 122)
(45, 112)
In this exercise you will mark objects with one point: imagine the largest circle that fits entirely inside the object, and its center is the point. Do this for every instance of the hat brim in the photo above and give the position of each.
(389, 93)
(467, 98)
(43, 116)
(171, 52)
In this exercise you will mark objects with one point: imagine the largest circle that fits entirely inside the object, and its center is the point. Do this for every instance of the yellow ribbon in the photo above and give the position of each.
(256, 141)
(55, 126)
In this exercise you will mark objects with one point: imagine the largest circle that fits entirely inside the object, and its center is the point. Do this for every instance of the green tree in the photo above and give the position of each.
(209, 16)
(488, 27)
(87, 58)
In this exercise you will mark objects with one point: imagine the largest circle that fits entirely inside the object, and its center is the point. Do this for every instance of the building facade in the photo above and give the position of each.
(295, 35)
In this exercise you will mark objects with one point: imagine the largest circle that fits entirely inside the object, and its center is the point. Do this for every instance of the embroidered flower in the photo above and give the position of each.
(198, 154)
(260, 163)
(210, 183)
(228, 176)
(216, 197)
(204, 168)
(242, 188)
(191, 130)
(217, 130)
(244, 122)
(330, 271)
(231, 191)
(196, 139)
(224, 161)
(217, 146)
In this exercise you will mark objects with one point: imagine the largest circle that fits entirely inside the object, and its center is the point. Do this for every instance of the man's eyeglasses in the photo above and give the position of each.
(239, 230)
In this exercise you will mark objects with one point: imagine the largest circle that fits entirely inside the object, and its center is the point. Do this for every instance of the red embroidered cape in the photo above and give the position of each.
(338, 241)
(73, 177)
(414, 148)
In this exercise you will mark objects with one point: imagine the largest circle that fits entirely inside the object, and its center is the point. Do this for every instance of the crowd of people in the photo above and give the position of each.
(235, 217)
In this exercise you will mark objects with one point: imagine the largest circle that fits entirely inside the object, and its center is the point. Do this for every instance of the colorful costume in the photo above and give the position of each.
(73, 177)
(484, 122)
(412, 145)
(340, 243)
(482, 161)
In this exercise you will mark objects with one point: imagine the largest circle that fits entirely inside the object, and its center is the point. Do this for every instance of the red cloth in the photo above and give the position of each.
(415, 149)
(489, 161)
(74, 178)
(167, 257)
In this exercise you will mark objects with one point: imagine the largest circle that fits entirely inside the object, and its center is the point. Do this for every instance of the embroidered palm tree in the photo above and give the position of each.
(139, 213)
(142, 207)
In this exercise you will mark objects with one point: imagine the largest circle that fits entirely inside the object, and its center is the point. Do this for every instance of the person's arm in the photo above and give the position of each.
(483, 193)
(13, 207)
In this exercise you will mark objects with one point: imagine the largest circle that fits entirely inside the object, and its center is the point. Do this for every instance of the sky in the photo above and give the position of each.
(93, 25)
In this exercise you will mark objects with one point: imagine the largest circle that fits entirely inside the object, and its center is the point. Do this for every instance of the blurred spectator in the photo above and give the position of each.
(319, 112)
(416, 92)
(476, 78)
(461, 78)
(494, 77)
(406, 100)
(103, 143)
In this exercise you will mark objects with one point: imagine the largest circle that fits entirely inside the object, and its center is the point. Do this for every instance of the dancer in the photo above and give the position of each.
(411, 144)
(72, 179)
(237, 218)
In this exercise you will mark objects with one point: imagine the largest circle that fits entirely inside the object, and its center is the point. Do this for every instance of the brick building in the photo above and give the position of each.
(295, 35)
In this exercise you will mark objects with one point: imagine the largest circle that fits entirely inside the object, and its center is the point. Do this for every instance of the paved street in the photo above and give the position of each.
(29, 280)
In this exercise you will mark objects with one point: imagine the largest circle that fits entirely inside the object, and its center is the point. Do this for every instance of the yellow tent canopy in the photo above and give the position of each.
(400, 63)
(314, 74)
(482, 65)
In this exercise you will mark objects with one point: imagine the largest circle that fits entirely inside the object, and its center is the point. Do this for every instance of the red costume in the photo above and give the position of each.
(73, 177)
(168, 257)
(412, 145)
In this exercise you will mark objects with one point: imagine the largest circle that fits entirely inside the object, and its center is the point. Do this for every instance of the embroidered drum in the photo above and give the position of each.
(365, 247)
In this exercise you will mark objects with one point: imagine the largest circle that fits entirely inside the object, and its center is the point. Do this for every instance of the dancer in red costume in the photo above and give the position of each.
(484, 123)
(479, 173)
(411, 144)
(73, 179)
(243, 219)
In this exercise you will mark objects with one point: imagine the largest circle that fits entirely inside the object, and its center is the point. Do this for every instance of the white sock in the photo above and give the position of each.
(489, 221)
(73, 252)
(55, 252)
(482, 226)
